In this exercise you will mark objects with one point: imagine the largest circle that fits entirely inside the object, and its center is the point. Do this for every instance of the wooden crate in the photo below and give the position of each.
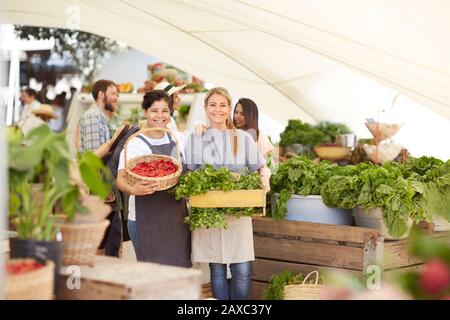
(304, 247)
(111, 278)
(229, 199)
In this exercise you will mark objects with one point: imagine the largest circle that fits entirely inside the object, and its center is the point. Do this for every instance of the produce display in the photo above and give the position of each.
(332, 130)
(403, 191)
(155, 168)
(20, 267)
(302, 133)
(208, 179)
(298, 175)
(323, 134)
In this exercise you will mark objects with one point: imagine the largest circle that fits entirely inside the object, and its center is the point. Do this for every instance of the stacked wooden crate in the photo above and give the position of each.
(111, 278)
(304, 247)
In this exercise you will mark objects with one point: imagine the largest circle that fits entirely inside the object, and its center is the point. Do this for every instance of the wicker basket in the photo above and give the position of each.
(81, 241)
(165, 182)
(383, 130)
(386, 152)
(305, 291)
(33, 285)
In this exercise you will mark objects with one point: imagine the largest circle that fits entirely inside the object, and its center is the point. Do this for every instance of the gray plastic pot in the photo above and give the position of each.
(373, 218)
(312, 209)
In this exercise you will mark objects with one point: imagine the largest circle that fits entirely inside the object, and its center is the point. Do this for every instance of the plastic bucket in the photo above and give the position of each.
(312, 209)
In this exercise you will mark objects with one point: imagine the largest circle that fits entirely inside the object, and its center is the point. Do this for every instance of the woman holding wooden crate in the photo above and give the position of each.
(222, 145)
(156, 218)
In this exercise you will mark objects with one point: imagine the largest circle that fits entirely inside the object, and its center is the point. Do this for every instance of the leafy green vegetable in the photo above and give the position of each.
(298, 175)
(332, 130)
(434, 174)
(207, 179)
(275, 290)
(371, 186)
(302, 133)
(183, 110)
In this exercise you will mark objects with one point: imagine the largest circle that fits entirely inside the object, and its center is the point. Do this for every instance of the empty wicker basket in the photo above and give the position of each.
(165, 182)
(34, 285)
(81, 241)
(305, 291)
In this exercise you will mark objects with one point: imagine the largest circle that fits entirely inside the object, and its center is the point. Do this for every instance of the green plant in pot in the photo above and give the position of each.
(299, 137)
(40, 177)
(333, 130)
(335, 147)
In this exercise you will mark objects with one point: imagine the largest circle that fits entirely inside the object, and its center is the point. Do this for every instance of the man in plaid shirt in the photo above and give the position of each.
(94, 129)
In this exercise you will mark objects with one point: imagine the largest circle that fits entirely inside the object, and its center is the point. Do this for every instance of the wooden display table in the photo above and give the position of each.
(304, 247)
(116, 279)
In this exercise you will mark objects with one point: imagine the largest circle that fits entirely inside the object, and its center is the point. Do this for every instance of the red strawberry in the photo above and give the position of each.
(435, 277)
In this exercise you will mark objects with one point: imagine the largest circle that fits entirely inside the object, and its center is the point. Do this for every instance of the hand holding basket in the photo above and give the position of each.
(163, 183)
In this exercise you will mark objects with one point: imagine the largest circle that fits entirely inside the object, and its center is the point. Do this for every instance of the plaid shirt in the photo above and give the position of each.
(94, 129)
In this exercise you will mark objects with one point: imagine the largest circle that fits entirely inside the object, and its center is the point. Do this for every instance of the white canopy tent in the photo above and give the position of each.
(309, 59)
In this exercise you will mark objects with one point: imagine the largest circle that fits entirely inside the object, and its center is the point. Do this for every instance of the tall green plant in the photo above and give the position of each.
(40, 176)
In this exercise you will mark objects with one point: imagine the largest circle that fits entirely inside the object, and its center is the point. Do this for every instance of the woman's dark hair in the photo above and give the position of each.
(30, 92)
(250, 110)
(153, 96)
(60, 99)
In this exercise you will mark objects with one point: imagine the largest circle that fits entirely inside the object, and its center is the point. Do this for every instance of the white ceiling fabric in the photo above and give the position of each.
(273, 51)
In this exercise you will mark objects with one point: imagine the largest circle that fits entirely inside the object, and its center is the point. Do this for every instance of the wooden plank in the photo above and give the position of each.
(314, 230)
(390, 274)
(373, 256)
(397, 255)
(443, 235)
(257, 289)
(309, 252)
(113, 278)
(229, 199)
(263, 269)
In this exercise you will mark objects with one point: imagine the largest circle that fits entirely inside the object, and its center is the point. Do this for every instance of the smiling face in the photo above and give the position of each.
(218, 110)
(111, 98)
(239, 117)
(158, 115)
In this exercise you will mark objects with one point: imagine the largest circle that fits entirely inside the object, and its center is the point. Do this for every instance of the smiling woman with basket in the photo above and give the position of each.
(150, 164)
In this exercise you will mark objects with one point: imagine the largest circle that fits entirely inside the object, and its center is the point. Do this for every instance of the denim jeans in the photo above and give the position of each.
(131, 226)
(240, 287)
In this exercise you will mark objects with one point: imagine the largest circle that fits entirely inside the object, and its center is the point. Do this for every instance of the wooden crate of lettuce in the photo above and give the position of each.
(402, 192)
(214, 193)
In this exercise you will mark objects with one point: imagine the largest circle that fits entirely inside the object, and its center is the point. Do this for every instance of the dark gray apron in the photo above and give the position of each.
(162, 234)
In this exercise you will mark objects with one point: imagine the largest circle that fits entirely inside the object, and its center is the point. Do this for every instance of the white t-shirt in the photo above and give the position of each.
(136, 148)
(58, 123)
(31, 122)
(27, 112)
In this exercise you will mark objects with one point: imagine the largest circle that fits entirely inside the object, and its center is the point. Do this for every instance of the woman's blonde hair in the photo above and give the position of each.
(228, 122)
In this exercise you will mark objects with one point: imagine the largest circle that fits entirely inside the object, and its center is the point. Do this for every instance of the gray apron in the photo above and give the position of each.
(162, 234)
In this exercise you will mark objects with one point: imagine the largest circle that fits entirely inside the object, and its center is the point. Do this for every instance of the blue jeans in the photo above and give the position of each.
(240, 288)
(131, 226)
